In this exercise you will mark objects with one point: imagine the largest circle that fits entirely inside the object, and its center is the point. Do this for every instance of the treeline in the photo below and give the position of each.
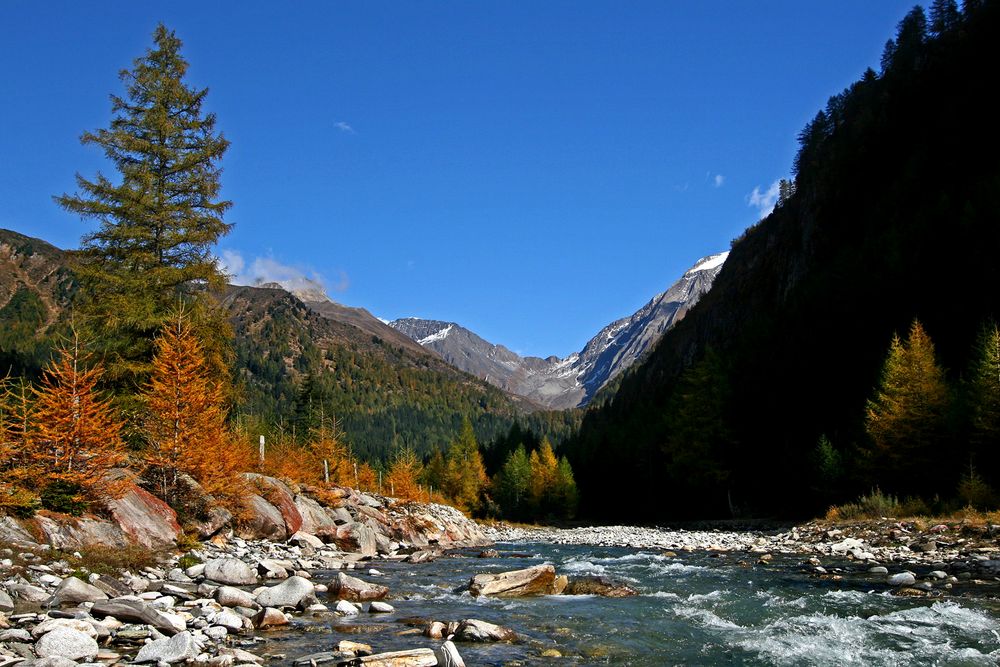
(523, 487)
(915, 418)
(890, 215)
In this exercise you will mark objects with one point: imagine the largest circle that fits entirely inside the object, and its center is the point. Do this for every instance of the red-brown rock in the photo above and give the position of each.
(278, 494)
(145, 518)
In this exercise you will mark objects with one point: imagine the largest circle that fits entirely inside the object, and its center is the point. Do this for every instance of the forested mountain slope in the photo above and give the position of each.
(290, 359)
(893, 215)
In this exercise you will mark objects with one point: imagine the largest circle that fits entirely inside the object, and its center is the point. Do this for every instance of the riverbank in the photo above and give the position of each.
(232, 601)
(923, 540)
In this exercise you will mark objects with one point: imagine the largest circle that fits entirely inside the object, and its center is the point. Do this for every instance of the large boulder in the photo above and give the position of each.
(28, 594)
(67, 643)
(134, 611)
(537, 580)
(215, 520)
(230, 571)
(265, 522)
(228, 596)
(346, 587)
(179, 648)
(145, 518)
(593, 585)
(314, 516)
(6, 602)
(74, 591)
(357, 538)
(71, 533)
(278, 494)
(269, 617)
(288, 593)
(472, 630)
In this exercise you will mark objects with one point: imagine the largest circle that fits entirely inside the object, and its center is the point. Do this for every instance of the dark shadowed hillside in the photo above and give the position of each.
(893, 214)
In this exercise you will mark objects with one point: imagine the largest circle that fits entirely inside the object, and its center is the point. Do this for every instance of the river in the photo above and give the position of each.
(697, 608)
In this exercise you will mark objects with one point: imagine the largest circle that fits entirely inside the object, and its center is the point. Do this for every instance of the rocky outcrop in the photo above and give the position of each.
(281, 497)
(537, 580)
(71, 533)
(146, 519)
(265, 521)
(14, 533)
(315, 518)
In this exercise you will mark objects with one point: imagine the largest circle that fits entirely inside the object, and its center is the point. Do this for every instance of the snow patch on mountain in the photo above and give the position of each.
(439, 335)
(572, 381)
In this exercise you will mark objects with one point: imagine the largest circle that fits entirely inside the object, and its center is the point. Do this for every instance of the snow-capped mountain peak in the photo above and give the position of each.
(572, 381)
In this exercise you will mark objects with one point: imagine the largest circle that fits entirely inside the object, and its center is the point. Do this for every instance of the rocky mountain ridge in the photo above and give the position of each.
(572, 381)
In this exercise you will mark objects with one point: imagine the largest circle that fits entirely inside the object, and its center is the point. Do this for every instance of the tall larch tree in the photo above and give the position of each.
(158, 221)
(466, 477)
(18, 468)
(404, 473)
(76, 439)
(185, 416)
(907, 418)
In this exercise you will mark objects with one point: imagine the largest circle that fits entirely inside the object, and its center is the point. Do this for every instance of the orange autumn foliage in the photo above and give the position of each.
(401, 482)
(76, 439)
(186, 414)
(18, 470)
(368, 479)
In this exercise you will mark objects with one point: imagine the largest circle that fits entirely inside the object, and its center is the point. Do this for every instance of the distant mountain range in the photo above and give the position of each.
(571, 382)
(408, 382)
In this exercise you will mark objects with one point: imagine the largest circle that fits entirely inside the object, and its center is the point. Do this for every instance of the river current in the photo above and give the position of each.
(695, 608)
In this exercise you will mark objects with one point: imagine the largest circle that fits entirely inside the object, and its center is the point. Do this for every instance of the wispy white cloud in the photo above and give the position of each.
(344, 127)
(764, 201)
(262, 270)
(718, 180)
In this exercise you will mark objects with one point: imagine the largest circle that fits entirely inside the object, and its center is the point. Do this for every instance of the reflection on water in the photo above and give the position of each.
(695, 609)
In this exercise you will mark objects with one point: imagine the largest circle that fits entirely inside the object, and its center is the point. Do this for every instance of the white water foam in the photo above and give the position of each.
(942, 633)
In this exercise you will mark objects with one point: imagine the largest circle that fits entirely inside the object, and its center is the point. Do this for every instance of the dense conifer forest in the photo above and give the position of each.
(775, 395)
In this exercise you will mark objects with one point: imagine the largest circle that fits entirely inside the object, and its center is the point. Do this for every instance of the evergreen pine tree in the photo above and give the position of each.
(944, 15)
(512, 484)
(984, 395)
(157, 224)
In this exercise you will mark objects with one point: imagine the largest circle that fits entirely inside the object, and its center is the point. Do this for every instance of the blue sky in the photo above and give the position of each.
(531, 170)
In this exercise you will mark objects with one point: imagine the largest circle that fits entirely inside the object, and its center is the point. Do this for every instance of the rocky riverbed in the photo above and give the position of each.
(241, 600)
(968, 550)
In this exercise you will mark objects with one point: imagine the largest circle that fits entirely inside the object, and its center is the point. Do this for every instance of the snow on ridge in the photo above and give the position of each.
(710, 262)
(440, 335)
